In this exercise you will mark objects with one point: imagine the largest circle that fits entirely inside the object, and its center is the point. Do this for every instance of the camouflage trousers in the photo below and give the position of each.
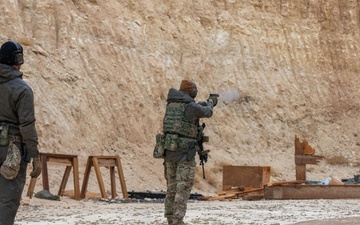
(11, 190)
(179, 180)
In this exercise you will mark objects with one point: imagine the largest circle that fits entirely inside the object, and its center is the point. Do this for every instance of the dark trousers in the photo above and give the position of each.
(11, 191)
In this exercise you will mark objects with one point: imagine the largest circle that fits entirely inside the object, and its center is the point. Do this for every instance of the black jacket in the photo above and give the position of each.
(17, 107)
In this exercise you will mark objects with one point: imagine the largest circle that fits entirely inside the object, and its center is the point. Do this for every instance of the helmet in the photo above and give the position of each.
(11, 53)
(189, 87)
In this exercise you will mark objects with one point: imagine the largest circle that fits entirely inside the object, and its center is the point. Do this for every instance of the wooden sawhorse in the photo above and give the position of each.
(105, 161)
(70, 161)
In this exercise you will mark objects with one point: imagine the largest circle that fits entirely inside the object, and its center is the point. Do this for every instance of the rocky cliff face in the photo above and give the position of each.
(101, 70)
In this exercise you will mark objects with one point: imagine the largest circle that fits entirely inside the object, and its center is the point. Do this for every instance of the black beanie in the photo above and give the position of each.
(11, 53)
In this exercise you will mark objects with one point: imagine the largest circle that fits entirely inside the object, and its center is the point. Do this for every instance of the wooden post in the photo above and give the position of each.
(304, 154)
(44, 172)
(31, 188)
(122, 178)
(89, 164)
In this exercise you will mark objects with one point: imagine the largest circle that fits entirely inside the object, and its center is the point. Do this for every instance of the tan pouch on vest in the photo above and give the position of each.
(159, 150)
(11, 166)
(171, 142)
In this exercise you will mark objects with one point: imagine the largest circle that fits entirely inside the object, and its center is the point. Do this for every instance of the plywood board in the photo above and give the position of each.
(245, 176)
(300, 191)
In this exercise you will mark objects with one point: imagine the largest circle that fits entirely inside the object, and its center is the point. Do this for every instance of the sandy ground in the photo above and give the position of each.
(261, 212)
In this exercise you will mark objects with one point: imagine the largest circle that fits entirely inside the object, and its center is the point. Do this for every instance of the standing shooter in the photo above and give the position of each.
(181, 129)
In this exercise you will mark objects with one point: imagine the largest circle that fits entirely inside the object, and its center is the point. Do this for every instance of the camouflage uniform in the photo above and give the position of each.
(182, 121)
(17, 111)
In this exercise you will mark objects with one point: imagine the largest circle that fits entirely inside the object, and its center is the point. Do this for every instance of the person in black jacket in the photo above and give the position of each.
(18, 136)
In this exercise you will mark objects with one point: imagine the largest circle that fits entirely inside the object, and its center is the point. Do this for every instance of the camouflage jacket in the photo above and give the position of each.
(192, 112)
(17, 107)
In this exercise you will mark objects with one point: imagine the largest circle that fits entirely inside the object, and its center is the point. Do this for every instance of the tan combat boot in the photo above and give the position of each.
(178, 222)
(170, 220)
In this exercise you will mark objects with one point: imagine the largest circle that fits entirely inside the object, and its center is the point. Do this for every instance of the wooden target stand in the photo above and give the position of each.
(104, 161)
(70, 161)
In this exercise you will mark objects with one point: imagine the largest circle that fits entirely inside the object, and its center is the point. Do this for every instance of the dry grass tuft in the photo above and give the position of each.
(26, 41)
(210, 175)
(275, 173)
(337, 160)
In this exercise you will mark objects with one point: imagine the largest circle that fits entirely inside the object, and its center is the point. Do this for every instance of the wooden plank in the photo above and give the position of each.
(230, 191)
(31, 188)
(104, 156)
(250, 191)
(44, 172)
(76, 178)
(89, 164)
(300, 171)
(64, 180)
(308, 150)
(286, 182)
(99, 177)
(112, 182)
(65, 162)
(299, 150)
(55, 155)
(298, 191)
(122, 178)
(245, 176)
(303, 148)
(307, 159)
(227, 196)
(246, 191)
(106, 162)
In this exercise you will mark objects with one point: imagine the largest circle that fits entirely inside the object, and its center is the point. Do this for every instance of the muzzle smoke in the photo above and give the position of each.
(229, 96)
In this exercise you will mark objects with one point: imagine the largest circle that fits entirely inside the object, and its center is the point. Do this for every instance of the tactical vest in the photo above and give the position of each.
(176, 123)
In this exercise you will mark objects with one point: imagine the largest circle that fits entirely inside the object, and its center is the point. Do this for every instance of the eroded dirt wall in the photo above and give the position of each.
(100, 71)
